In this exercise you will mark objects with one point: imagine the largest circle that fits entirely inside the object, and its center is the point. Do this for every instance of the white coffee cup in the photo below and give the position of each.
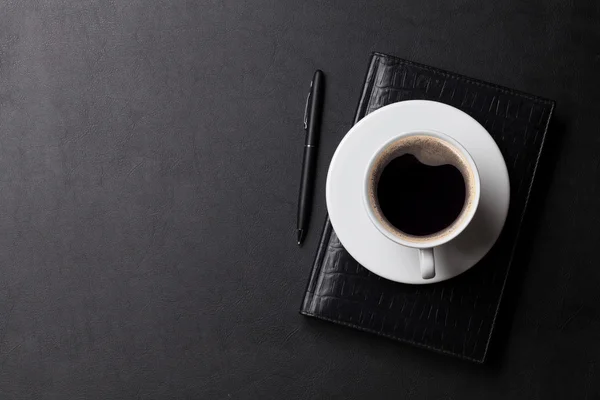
(433, 149)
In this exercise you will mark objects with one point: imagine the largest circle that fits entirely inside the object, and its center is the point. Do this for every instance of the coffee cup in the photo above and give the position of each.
(421, 190)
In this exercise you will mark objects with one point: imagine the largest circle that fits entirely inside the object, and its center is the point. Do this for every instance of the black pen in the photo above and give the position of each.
(312, 124)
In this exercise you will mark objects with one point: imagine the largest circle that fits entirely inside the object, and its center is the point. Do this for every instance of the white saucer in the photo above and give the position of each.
(344, 188)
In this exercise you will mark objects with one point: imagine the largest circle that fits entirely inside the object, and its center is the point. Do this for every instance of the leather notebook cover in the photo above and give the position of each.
(457, 316)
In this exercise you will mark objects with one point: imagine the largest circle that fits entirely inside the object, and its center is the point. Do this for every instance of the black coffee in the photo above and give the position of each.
(419, 199)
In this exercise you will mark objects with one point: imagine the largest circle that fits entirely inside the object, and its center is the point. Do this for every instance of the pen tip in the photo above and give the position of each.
(300, 236)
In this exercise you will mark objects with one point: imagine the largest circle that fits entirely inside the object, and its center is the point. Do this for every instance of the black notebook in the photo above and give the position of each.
(457, 316)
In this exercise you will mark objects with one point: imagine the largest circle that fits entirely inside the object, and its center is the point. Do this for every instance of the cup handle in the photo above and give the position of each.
(427, 263)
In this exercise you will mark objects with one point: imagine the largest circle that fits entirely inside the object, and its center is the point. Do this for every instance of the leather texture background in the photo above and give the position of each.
(150, 154)
(455, 317)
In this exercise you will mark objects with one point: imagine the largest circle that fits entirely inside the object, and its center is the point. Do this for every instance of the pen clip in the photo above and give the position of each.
(306, 107)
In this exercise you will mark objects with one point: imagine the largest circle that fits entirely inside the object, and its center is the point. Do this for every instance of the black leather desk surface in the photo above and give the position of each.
(149, 161)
